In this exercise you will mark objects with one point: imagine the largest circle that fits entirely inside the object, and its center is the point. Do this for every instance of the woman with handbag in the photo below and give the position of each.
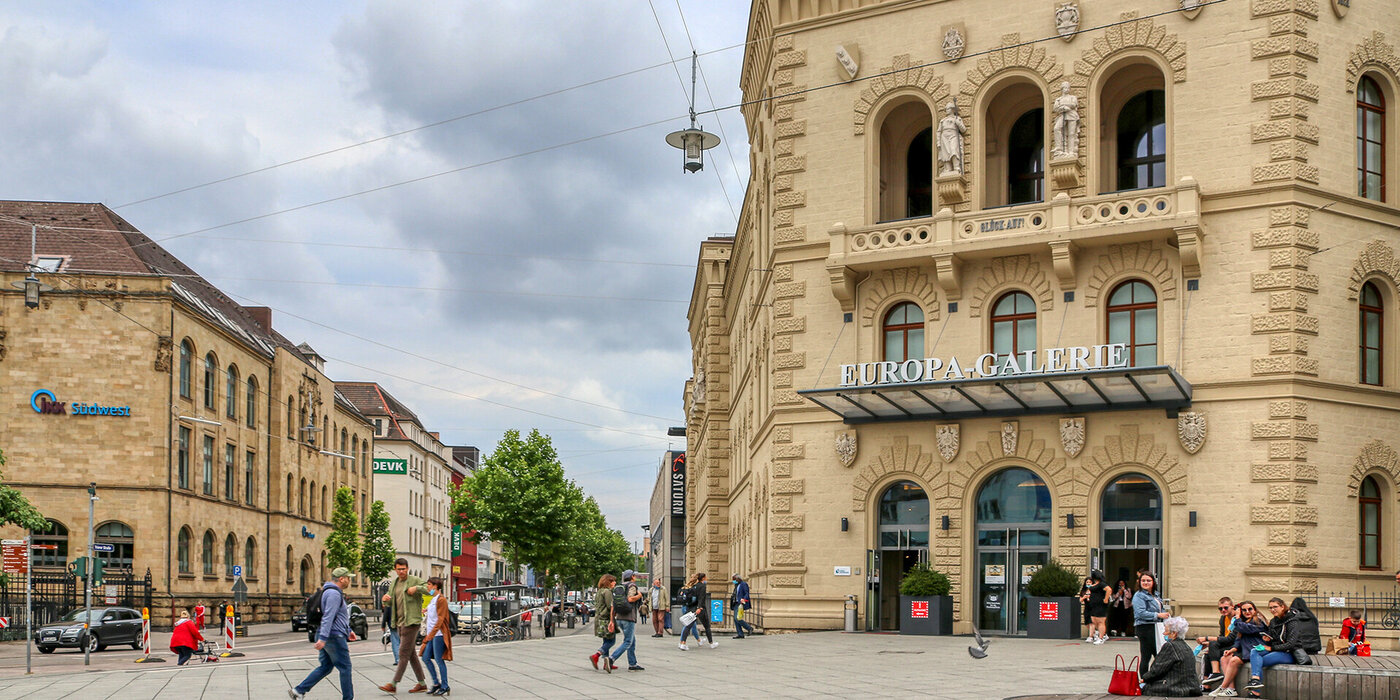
(602, 624)
(1173, 671)
(1147, 612)
(437, 638)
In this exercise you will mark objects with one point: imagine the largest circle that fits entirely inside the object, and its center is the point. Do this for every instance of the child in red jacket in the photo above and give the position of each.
(186, 638)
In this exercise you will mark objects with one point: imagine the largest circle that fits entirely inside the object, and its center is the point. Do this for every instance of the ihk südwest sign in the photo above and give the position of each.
(390, 466)
(44, 401)
(935, 369)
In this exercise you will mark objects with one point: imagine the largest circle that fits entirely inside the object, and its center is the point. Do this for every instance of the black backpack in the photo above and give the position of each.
(621, 606)
(312, 606)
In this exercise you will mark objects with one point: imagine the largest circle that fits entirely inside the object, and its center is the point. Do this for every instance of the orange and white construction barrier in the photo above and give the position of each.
(146, 657)
(228, 634)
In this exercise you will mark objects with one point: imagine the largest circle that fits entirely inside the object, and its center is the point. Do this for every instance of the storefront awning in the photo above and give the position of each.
(1130, 389)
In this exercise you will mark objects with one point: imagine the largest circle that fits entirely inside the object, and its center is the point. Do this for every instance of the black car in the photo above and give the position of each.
(359, 624)
(109, 626)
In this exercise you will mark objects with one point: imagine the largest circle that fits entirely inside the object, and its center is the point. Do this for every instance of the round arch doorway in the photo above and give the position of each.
(901, 542)
(1131, 532)
(1013, 541)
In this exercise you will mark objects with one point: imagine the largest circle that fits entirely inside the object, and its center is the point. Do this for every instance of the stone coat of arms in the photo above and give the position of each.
(954, 42)
(1191, 430)
(1072, 435)
(846, 448)
(1010, 434)
(1067, 20)
(947, 441)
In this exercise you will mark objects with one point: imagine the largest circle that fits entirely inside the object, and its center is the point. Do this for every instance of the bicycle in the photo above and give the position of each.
(495, 631)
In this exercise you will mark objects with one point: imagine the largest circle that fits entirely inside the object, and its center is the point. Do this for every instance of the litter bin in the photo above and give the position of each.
(571, 619)
(851, 608)
(676, 612)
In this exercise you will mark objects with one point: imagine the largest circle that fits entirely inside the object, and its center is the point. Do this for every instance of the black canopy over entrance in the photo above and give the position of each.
(1120, 389)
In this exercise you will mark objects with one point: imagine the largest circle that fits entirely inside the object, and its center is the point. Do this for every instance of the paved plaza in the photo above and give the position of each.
(817, 664)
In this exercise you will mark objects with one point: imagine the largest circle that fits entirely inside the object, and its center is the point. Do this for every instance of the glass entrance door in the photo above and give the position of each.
(901, 543)
(1131, 534)
(1006, 559)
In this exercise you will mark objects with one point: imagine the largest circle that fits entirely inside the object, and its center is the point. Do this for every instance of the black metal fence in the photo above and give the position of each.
(1380, 609)
(55, 594)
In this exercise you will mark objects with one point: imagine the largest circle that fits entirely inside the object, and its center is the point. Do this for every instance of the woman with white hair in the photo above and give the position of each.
(1173, 672)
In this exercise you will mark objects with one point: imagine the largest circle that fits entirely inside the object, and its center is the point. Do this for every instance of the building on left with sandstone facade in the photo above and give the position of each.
(231, 441)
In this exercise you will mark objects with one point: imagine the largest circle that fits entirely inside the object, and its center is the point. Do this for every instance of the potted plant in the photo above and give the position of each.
(924, 604)
(1054, 608)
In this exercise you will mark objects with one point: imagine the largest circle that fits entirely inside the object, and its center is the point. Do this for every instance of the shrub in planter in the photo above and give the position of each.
(1054, 602)
(925, 606)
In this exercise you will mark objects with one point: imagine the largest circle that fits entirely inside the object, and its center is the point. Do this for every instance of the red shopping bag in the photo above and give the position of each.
(1125, 678)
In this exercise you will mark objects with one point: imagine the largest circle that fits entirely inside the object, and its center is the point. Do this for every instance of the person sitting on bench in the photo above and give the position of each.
(1173, 671)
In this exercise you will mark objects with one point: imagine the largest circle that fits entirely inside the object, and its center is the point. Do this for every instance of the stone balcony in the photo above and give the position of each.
(1060, 226)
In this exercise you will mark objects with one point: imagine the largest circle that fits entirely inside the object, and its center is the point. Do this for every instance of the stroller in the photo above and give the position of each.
(208, 651)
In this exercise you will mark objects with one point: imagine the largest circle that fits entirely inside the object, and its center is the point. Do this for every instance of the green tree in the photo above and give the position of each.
(521, 500)
(592, 549)
(15, 509)
(343, 544)
(377, 552)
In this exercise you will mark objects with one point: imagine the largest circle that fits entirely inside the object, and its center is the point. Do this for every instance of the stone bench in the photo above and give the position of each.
(1327, 678)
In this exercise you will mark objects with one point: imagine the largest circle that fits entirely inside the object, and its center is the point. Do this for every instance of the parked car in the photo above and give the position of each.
(466, 617)
(109, 626)
(359, 624)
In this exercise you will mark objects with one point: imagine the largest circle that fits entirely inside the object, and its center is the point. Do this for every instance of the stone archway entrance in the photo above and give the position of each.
(901, 542)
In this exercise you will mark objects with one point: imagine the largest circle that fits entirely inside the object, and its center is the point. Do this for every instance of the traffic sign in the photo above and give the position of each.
(14, 557)
(237, 570)
(101, 547)
(4, 622)
(240, 591)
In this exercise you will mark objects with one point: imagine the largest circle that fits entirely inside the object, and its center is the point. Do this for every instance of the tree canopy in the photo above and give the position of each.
(15, 509)
(377, 551)
(343, 544)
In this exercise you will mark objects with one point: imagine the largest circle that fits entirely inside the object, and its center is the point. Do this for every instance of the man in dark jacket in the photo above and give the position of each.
(738, 603)
(1216, 646)
(332, 638)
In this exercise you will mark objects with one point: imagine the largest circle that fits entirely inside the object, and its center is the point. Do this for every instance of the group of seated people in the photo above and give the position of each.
(1247, 637)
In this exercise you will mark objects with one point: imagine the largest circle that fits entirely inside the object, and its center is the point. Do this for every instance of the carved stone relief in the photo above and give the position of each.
(698, 393)
(1340, 7)
(954, 41)
(1010, 433)
(164, 347)
(846, 448)
(1067, 20)
(1191, 430)
(948, 438)
(1072, 435)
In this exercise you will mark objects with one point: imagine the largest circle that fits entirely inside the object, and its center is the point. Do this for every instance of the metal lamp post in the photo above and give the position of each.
(31, 284)
(92, 557)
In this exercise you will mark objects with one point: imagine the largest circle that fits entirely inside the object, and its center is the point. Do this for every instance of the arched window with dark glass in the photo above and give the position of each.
(1015, 495)
(301, 498)
(207, 553)
(289, 566)
(182, 550)
(1370, 140)
(919, 175)
(1132, 321)
(231, 393)
(904, 332)
(252, 403)
(1025, 155)
(123, 541)
(230, 554)
(186, 360)
(289, 493)
(250, 551)
(1370, 517)
(1372, 337)
(1142, 141)
(1013, 324)
(211, 369)
(57, 536)
(313, 500)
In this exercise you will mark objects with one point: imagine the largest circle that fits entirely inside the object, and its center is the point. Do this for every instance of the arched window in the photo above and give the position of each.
(1013, 325)
(211, 368)
(313, 500)
(252, 403)
(123, 541)
(289, 493)
(301, 498)
(344, 446)
(1132, 321)
(364, 458)
(182, 550)
(231, 393)
(250, 551)
(904, 333)
(1025, 159)
(250, 461)
(1014, 495)
(1370, 502)
(289, 566)
(325, 505)
(1142, 141)
(230, 553)
(354, 450)
(906, 161)
(1372, 337)
(291, 419)
(207, 553)
(56, 535)
(186, 359)
(1370, 140)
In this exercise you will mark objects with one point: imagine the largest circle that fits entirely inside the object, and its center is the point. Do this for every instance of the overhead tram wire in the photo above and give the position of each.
(406, 287)
(733, 163)
(696, 59)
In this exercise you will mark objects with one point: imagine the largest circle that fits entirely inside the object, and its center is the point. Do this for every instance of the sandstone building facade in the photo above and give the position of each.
(1201, 200)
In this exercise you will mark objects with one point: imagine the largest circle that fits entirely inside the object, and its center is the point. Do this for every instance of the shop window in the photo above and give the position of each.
(1372, 337)
(1132, 321)
(208, 456)
(186, 358)
(182, 550)
(1370, 517)
(211, 368)
(207, 553)
(251, 420)
(1370, 140)
(250, 551)
(906, 161)
(182, 458)
(230, 553)
(1025, 156)
(231, 393)
(1013, 325)
(57, 536)
(1142, 141)
(904, 333)
(250, 460)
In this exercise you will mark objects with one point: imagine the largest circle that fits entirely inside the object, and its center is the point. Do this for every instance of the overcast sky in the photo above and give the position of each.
(566, 270)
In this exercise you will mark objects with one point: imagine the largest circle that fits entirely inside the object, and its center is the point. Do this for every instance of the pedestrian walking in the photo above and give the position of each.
(333, 638)
(739, 602)
(602, 624)
(699, 603)
(185, 639)
(406, 595)
(437, 638)
(626, 598)
(658, 608)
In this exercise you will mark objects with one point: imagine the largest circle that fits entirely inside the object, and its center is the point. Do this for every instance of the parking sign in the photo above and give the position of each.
(237, 570)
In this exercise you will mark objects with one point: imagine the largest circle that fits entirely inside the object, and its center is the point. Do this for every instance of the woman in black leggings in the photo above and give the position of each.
(1147, 611)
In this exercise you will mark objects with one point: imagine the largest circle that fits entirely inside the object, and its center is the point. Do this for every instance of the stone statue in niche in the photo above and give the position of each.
(1066, 129)
(950, 142)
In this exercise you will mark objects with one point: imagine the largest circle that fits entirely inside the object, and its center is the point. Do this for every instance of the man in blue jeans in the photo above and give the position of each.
(332, 638)
(624, 616)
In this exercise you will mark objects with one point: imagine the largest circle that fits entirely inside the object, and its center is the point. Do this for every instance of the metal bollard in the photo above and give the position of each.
(851, 609)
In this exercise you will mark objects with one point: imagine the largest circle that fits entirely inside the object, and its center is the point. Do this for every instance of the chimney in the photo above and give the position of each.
(262, 315)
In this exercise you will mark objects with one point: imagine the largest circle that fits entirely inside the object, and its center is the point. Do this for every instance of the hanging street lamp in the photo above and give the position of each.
(31, 284)
(694, 141)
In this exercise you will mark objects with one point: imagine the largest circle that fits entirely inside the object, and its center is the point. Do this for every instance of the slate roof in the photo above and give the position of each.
(373, 401)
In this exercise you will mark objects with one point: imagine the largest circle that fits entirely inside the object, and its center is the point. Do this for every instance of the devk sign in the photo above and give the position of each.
(935, 369)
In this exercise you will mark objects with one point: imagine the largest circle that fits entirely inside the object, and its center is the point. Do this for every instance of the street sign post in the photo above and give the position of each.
(101, 547)
(237, 571)
(29, 602)
(15, 556)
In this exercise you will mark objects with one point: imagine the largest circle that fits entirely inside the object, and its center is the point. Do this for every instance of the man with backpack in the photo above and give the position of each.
(626, 598)
(329, 615)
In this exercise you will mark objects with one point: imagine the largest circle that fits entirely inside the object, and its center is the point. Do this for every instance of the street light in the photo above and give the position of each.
(92, 557)
(31, 284)
(693, 141)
